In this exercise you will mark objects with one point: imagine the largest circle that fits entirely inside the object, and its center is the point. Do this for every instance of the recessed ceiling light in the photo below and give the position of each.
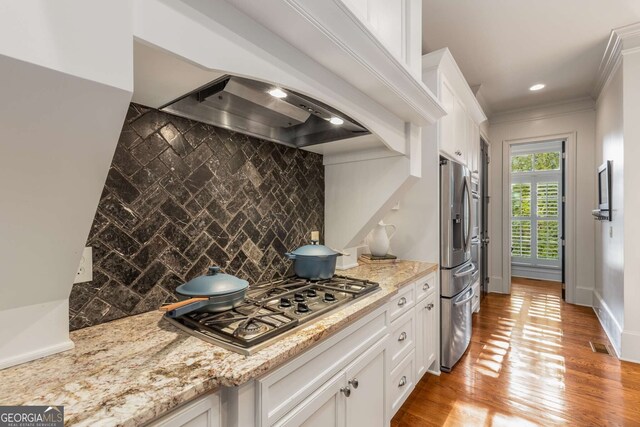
(537, 87)
(336, 120)
(278, 93)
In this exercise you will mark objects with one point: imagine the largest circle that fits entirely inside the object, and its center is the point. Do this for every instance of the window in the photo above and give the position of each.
(536, 186)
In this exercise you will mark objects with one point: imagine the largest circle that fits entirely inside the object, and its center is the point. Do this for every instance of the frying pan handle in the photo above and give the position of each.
(182, 307)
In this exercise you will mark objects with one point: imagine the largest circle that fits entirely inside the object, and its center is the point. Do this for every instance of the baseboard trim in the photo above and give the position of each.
(607, 320)
(630, 346)
(36, 354)
(584, 297)
(496, 286)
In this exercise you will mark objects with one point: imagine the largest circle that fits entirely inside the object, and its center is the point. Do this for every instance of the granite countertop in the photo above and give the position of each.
(130, 371)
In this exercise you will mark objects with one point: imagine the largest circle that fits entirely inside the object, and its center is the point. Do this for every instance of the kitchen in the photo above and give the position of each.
(289, 179)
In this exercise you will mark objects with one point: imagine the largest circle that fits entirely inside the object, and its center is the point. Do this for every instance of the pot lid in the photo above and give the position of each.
(212, 284)
(314, 250)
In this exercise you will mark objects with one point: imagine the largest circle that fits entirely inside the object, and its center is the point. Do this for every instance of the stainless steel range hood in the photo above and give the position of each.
(262, 110)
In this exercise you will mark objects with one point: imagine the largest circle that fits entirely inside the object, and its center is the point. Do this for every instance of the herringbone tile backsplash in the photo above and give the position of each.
(182, 196)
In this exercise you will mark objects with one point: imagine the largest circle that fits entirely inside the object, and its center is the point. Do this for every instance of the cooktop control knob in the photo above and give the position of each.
(329, 297)
(285, 302)
(302, 308)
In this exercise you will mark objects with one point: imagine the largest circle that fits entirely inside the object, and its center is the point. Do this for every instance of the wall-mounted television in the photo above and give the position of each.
(603, 212)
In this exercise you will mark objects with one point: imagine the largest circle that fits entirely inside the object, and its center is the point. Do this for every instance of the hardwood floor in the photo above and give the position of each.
(529, 364)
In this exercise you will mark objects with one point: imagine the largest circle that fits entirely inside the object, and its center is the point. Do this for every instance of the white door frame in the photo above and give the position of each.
(569, 214)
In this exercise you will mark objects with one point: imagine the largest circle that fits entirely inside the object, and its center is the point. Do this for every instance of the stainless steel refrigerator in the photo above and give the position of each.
(456, 268)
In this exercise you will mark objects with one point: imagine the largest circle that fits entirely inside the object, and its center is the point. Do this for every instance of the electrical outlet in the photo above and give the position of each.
(85, 269)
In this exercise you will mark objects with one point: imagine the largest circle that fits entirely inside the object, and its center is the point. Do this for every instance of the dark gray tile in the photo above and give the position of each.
(176, 237)
(182, 195)
(121, 187)
(150, 174)
(118, 240)
(150, 148)
(149, 278)
(176, 140)
(149, 123)
(119, 296)
(115, 266)
(150, 252)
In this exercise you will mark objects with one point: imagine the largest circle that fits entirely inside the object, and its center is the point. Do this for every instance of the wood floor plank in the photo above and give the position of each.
(529, 364)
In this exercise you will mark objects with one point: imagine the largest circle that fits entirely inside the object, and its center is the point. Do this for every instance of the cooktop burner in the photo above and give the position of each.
(272, 309)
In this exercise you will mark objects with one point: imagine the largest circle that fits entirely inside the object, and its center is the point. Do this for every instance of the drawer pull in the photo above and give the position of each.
(425, 286)
(429, 306)
(402, 337)
(346, 391)
(354, 383)
(403, 381)
(402, 301)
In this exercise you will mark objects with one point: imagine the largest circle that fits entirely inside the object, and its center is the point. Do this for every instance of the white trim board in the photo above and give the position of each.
(570, 212)
(608, 322)
(544, 111)
(620, 40)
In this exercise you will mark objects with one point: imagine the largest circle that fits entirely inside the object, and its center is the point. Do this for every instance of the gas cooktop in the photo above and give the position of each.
(272, 310)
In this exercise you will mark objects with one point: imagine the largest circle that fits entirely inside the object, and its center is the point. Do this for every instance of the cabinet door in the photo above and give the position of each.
(447, 123)
(461, 132)
(367, 383)
(202, 412)
(324, 408)
(426, 334)
(474, 147)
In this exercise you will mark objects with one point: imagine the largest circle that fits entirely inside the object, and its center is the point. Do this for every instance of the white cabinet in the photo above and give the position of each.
(459, 131)
(426, 334)
(354, 397)
(395, 25)
(366, 379)
(202, 412)
(324, 408)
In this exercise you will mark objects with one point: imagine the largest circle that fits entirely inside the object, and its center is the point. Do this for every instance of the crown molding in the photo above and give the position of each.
(543, 111)
(620, 40)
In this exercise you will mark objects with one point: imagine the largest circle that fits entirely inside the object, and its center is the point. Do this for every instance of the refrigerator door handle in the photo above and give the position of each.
(464, 301)
(467, 271)
(468, 213)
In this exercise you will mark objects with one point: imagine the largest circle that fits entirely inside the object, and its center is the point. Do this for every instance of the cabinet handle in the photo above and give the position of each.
(425, 286)
(402, 301)
(354, 382)
(429, 306)
(458, 153)
(403, 381)
(346, 391)
(402, 337)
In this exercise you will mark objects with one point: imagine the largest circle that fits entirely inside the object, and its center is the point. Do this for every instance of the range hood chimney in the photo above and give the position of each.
(265, 111)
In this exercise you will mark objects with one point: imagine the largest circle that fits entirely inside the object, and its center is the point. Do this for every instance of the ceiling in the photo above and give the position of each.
(508, 45)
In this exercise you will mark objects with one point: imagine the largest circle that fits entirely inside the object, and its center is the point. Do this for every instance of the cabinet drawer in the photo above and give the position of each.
(402, 382)
(425, 286)
(401, 302)
(402, 339)
(283, 389)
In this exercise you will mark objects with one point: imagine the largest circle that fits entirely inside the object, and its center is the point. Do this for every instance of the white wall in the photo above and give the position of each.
(66, 84)
(418, 217)
(609, 265)
(578, 117)
(630, 349)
